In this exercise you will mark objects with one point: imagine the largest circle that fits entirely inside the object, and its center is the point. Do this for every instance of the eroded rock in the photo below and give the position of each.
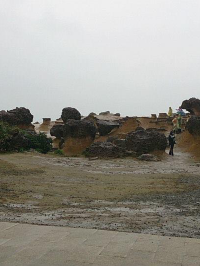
(144, 141)
(57, 131)
(18, 116)
(79, 129)
(192, 105)
(70, 113)
(105, 127)
(78, 135)
(193, 125)
(105, 150)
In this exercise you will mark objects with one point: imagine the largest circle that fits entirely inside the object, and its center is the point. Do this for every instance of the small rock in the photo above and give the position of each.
(148, 157)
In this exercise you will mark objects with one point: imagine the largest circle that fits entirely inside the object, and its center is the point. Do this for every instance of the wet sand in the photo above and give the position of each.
(122, 194)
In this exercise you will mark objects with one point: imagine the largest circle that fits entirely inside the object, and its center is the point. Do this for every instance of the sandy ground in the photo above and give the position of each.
(121, 194)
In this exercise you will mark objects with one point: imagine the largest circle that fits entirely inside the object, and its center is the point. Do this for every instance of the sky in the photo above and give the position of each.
(134, 57)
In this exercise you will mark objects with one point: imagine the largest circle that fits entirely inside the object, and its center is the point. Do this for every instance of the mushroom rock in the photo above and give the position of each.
(193, 125)
(192, 105)
(105, 127)
(57, 131)
(20, 117)
(70, 113)
(78, 135)
(144, 141)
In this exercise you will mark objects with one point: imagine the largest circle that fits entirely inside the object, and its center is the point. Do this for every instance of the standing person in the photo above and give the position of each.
(170, 112)
(171, 143)
(179, 123)
(174, 121)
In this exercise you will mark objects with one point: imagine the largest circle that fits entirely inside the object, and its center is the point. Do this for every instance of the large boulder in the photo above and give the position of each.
(105, 127)
(70, 113)
(79, 129)
(144, 141)
(78, 135)
(18, 116)
(193, 125)
(192, 105)
(57, 131)
(105, 150)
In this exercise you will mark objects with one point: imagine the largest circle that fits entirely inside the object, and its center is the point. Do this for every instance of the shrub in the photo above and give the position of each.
(59, 152)
(12, 139)
(6, 135)
(40, 142)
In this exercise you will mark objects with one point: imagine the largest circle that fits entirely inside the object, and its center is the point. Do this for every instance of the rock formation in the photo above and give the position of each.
(70, 113)
(144, 141)
(18, 116)
(105, 113)
(192, 105)
(105, 127)
(193, 125)
(79, 129)
(78, 135)
(105, 150)
(57, 131)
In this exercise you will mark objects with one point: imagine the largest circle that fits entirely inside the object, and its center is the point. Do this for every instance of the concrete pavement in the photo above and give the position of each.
(33, 245)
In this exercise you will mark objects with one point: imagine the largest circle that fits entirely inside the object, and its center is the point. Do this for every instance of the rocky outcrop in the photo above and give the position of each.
(18, 116)
(192, 105)
(79, 129)
(57, 131)
(70, 113)
(105, 150)
(105, 113)
(144, 141)
(193, 125)
(105, 127)
(78, 135)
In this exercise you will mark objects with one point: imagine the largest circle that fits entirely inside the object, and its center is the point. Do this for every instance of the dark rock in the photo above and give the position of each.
(70, 113)
(18, 116)
(105, 113)
(105, 127)
(105, 150)
(92, 114)
(120, 143)
(192, 105)
(79, 129)
(57, 131)
(143, 142)
(148, 157)
(111, 139)
(193, 125)
(139, 129)
(117, 114)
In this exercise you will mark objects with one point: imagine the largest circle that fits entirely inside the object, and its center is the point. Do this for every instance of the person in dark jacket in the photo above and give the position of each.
(172, 141)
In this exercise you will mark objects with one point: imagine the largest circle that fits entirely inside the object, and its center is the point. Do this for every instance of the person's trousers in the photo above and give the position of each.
(171, 151)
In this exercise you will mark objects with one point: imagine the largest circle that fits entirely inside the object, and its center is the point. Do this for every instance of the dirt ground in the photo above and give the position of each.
(121, 194)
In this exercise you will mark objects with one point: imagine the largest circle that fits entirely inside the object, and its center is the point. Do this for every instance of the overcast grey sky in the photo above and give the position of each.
(135, 57)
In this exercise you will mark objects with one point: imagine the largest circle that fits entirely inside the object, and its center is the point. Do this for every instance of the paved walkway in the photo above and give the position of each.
(33, 245)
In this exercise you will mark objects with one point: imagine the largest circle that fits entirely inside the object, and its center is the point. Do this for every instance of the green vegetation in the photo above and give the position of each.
(59, 152)
(39, 142)
(14, 139)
